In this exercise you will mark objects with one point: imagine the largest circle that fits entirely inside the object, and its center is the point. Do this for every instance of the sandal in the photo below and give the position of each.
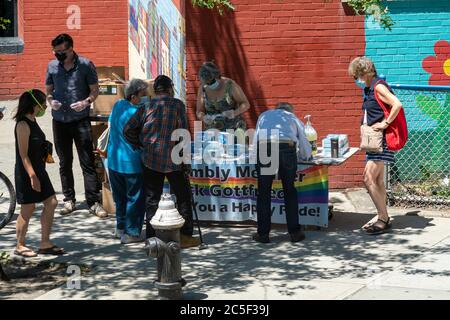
(24, 254)
(55, 250)
(368, 224)
(376, 229)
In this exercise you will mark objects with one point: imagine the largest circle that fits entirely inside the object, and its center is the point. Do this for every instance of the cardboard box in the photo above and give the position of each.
(151, 92)
(106, 73)
(107, 199)
(97, 130)
(110, 93)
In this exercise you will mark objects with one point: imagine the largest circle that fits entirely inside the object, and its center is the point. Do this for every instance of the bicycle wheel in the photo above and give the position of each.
(7, 200)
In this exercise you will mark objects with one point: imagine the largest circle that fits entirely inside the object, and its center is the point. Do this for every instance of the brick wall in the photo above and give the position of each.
(103, 38)
(296, 51)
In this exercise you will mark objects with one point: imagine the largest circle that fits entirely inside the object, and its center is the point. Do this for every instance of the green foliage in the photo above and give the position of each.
(4, 22)
(219, 5)
(374, 8)
(4, 258)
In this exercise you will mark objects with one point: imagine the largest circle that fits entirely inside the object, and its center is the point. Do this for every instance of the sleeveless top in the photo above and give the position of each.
(374, 111)
(217, 107)
(36, 148)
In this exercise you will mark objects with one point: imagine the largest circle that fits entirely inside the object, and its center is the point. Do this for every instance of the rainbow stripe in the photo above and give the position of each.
(312, 189)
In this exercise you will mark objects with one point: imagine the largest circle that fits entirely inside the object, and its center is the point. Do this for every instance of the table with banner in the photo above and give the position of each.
(227, 191)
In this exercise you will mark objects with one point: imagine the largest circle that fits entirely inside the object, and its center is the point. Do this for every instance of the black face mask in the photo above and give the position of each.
(61, 56)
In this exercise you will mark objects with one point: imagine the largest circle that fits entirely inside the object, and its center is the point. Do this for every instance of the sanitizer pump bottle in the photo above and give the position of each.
(311, 135)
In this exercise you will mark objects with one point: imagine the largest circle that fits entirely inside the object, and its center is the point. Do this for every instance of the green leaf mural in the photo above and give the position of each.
(438, 111)
(435, 109)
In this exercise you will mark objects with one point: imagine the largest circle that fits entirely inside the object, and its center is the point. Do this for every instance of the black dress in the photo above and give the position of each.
(36, 152)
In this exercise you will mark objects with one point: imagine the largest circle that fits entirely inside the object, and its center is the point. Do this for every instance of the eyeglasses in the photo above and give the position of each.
(35, 100)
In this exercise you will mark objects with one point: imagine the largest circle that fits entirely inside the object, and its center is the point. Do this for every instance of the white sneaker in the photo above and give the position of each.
(126, 239)
(69, 207)
(98, 210)
(119, 233)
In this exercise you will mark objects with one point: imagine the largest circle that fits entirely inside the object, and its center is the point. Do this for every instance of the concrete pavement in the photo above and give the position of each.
(341, 262)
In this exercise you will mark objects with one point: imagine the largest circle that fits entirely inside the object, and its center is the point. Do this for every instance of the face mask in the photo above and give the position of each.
(144, 100)
(40, 113)
(61, 56)
(214, 86)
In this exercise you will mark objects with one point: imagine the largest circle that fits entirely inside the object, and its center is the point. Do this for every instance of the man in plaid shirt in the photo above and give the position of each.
(151, 129)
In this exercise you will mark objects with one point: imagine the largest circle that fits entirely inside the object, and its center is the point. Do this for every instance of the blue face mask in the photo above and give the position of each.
(360, 83)
(214, 85)
(145, 100)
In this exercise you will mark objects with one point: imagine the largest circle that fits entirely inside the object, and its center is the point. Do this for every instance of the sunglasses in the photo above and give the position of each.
(35, 100)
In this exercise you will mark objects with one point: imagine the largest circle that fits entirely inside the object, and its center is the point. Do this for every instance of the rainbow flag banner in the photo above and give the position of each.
(228, 191)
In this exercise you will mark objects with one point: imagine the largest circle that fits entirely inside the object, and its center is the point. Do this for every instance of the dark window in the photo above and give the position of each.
(8, 10)
(10, 42)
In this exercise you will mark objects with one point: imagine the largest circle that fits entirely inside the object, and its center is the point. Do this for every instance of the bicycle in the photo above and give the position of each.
(7, 200)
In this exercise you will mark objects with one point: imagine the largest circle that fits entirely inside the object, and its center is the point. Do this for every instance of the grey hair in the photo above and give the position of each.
(209, 71)
(285, 106)
(361, 66)
(133, 87)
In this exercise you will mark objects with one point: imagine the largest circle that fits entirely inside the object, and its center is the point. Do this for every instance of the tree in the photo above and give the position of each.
(373, 8)
(3, 23)
(219, 5)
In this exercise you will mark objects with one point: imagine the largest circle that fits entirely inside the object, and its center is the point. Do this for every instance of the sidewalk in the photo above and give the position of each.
(341, 262)
(411, 262)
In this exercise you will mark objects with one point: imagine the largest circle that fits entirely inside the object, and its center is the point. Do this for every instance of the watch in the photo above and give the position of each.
(388, 123)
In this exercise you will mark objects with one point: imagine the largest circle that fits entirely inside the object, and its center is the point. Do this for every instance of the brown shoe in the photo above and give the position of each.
(188, 241)
(298, 236)
(261, 238)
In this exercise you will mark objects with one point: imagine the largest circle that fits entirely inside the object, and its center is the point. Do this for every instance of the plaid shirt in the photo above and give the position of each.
(151, 129)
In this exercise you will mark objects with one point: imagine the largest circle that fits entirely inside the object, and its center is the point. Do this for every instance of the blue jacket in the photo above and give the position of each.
(121, 156)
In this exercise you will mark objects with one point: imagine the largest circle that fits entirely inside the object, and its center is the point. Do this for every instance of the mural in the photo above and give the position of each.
(417, 52)
(157, 42)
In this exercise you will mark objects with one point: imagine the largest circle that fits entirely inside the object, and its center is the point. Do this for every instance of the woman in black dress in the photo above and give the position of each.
(33, 184)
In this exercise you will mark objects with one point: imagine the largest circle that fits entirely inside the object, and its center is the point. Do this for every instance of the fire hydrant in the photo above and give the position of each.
(167, 223)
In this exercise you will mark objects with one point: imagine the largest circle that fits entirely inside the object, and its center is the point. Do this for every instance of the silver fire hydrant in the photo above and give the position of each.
(167, 223)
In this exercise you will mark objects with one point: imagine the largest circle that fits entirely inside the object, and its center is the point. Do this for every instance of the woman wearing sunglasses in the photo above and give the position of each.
(33, 184)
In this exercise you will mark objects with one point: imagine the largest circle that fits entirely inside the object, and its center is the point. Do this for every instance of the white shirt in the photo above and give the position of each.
(289, 127)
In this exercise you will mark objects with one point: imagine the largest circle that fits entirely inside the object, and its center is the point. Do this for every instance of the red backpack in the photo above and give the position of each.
(397, 131)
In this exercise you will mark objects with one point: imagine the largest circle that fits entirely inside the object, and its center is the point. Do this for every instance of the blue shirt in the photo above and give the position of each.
(289, 127)
(71, 86)
(121, 156)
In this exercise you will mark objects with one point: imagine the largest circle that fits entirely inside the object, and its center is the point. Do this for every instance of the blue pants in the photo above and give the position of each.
(128, 195)
(287, 171)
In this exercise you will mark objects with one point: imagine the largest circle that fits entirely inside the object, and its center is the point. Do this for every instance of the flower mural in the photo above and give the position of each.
(439, 66)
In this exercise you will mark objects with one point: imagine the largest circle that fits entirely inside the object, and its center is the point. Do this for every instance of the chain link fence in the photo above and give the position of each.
(421, 173)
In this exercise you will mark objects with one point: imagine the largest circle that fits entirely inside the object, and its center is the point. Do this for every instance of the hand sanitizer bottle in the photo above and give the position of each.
(311, 135)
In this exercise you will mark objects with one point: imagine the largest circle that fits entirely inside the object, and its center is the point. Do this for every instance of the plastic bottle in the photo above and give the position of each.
(311, 135)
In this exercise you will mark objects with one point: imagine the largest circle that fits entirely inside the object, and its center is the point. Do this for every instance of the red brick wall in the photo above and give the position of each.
(296, 51)
(103, 38)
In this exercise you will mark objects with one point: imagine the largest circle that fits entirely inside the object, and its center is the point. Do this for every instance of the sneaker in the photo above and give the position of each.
(119, 233)
(69, 207)
(189, 241)
(98, 210)
(298, 236)
(126, 239)
(261, 238)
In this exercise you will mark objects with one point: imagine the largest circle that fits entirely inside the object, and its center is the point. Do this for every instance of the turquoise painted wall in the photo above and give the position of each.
(417, 52)
(419, 25)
